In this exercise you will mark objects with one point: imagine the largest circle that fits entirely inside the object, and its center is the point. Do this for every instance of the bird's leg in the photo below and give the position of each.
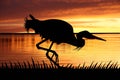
(54, 53)
(48, 49)
(37, 45)
(47, 53)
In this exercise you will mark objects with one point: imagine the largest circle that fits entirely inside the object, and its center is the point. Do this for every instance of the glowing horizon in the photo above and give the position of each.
(98, 25)
(95, 15)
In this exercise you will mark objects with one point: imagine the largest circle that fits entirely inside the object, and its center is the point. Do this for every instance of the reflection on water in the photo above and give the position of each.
(21, 47)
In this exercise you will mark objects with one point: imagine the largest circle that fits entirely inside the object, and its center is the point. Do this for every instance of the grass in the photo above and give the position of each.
(35, 70)
(37, 65)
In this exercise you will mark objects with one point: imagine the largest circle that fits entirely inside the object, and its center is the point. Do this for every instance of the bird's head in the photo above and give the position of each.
(88, 35)
(85, 34)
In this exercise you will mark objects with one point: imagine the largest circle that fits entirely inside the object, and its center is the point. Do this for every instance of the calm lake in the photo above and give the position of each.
(22, 47)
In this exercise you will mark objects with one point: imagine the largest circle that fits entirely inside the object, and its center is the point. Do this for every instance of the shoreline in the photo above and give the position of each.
(74, 33)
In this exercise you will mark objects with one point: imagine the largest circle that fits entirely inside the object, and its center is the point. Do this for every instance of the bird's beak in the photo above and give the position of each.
(98, 38)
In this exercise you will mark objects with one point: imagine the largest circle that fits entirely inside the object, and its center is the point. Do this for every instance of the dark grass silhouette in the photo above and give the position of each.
(35, 71)
(36, 65)
(57, 31)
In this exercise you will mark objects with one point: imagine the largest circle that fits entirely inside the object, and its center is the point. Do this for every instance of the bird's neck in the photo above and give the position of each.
(78, 43)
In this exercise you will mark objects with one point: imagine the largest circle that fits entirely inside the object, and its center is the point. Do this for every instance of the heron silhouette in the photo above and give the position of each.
(57, 31)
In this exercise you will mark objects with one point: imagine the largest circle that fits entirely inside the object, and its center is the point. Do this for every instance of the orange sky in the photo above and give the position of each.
(92, 15)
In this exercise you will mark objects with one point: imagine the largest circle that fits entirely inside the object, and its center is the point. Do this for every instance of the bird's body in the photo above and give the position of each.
(57, 31)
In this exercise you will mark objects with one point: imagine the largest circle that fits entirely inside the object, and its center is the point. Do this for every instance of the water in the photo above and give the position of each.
(22, 47)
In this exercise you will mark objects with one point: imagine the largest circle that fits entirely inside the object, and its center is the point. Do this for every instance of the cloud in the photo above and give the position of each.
(46, 8)
(11, 29)
(14, 11)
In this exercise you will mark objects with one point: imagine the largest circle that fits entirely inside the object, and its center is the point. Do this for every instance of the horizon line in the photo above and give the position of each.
(74, 33)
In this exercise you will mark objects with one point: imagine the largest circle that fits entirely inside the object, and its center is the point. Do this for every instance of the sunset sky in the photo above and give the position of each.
(92, 15)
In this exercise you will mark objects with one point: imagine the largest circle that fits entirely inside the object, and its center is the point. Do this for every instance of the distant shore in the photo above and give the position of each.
(74, 33)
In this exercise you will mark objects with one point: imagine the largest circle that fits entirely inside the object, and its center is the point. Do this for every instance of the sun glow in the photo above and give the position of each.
(95, 24)
(78, 24)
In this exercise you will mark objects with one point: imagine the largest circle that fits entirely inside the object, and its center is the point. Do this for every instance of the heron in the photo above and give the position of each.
(57, 31)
